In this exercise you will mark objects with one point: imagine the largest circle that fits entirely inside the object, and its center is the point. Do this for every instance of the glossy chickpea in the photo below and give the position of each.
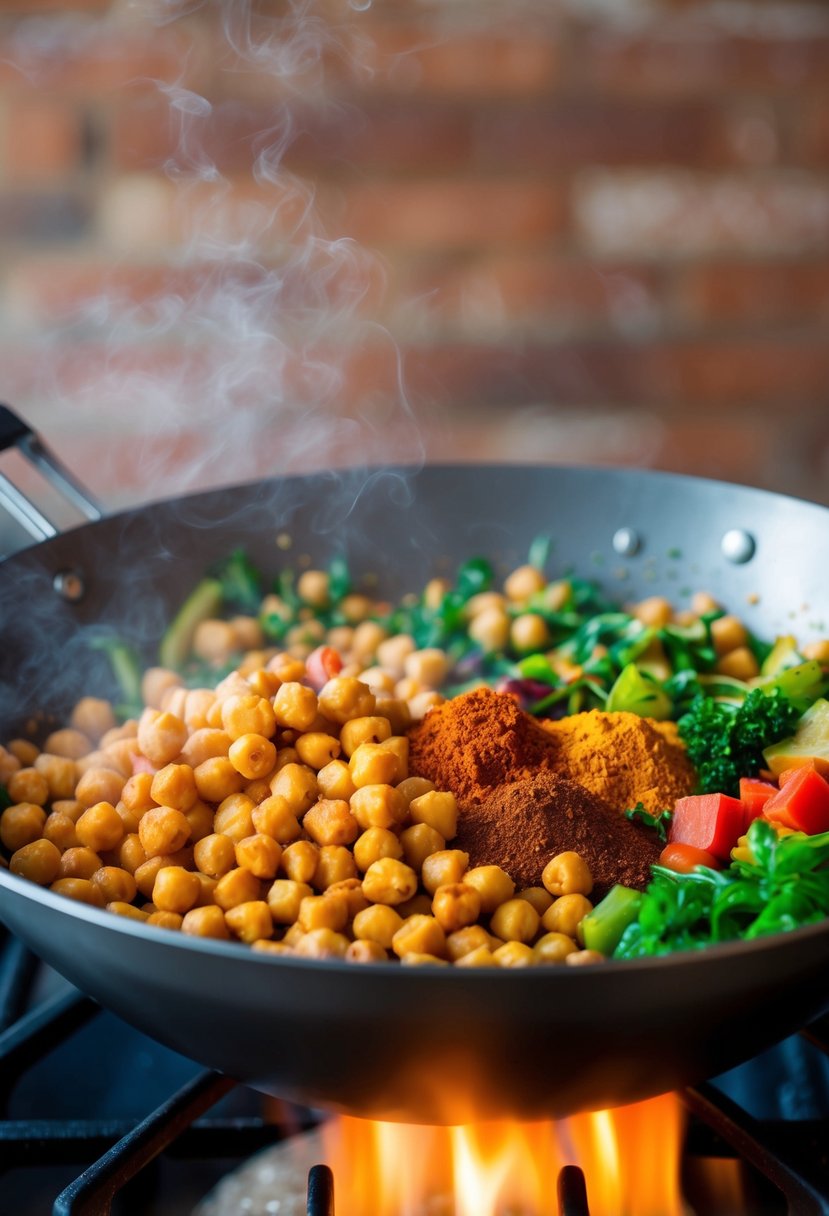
(334, 780)
(529, 633)
(253, 756)
(206, 921)
(206, 743)
(368, 636)
(335, 864)
(538, 897)
(28, 785)
(171, 921)
(115, 884)
(197, 704)
(21, 824)
(38, 861)
(524, 582)
(250, 921)
(515, 920)
(237, 887)
(365, 952)
(68, 742)
(322, 943)
(420, 841)
(369, 729)
(136, 794)
(234, 817)
(567, 874)
(565, 914)
(161, 736)
(131, 853)
(260, 854)
(216, 779)
(274, 817)
(373, 764)
(373, 845)
(317, 749)
(119, 908)
(60, 774)
(740, 664)
(78, 863)
(344, 698)
(174, 785)
(200, 818)
(9, 764)
(422, 702)
(464, 941)
(414, 787)
(163, 830)
(322, 912)
(428, 667)
(93, 717)
(70, 807)
(455, 906)
(215, 855)
(207, 887)
(397, 712)
(146, 874)
(419, 935)
(284, 899)
(727, 634)
(99, 785)
(439, 809)
(490, 629)
(300, 860)
(493, 885)
(378, 680)
(60, 830)
(295, 706)
(248, 714)
(155, 682)
(584, 958)
(175, 889)
(80, 889)
(389, 881)
(297, 784)
(330, 821)
(377, 806)
(554, 948)
(482, 956)
(100, 827)
(514, 954)
(445, 867)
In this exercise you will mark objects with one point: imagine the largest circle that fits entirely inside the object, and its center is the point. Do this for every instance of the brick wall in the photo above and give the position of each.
(239, 240)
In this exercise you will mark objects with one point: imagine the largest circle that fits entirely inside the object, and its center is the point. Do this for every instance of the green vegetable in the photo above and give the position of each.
(801, 684)
(5, 800)
(725, 742)
(810, 741)
(660, 822)
(339, 579)
(203, 602)
(603, 927)
(785, 886)
(636, 692)
(540, 552)
(126, 667)
(241, 583)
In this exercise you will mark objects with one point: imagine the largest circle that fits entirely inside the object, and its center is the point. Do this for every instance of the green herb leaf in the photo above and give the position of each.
(659, 822)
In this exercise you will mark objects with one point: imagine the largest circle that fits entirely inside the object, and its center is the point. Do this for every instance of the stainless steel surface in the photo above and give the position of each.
(421, 1043)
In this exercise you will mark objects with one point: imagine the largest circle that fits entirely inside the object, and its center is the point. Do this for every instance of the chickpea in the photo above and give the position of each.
(234, 817)
(136, 794)
(377, 806)
(322, 943)
(455, 906)
(702, 604)
(419, 841)
(373, 764)
(420, 704)
(60, 774)
(537, 896)
(284, 899)
(116, 885)
(529, 633)
(252, 755)
(38, 861)
(300, 860)
(274, 817)
(9, 764)
(817, 651)
(514, 954)
(161, 736)
(567, 874)
(100, 827)
(70, 807)
(163, 830)
(397, 712)
(155, 682)
(419, 905)
(197, 703)
(740, 663)
(248, 714)
(146, 874)
(317, 749)
(389, 881)
(464, 941)
(378, 680)
(413, 787)
(330, 821)
(313, 588)
(79, 863)
(250, 921)
(344, 698)
(93, 717)
(482, 956)
(374, 844)
(260, 854)
(439, 809)
(655, 611)
(371, 729)
(368, 635)
(419, 935)
(206, 743)
(106, 761)
(175, 889)
(237, 887)
(524, 582)
(119, 908)
(515, 920)
(442, 868)
(207, 887)
(297, 784)
(490, 629)
(60, 830)
(334, 780)
(67, 742)
(583, 958)
(21, 824)
(99, 785)
(335, 864)
(80, 889)
(565, 914)
(174, 785)
(28, 785)
(207, 921)
(295, 706)
(365, 952)
(553, 948)
(171, 921)
(728, 633)
(216, 779)
(131, 853)
(200, 818)
(214, 641)
(492, 884)
(428, 667)
(323, 912)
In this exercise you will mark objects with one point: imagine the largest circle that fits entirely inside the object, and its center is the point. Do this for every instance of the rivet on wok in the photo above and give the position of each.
(626, 542)
(69, 585)
(738, 546)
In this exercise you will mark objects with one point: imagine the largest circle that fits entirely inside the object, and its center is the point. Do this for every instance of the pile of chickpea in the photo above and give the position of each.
(266, 812)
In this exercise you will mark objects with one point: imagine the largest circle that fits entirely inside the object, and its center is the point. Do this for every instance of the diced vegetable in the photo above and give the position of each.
(203, 602)
(322, 665)
(783, 655)
(800, 685)
(754, 794)
(683, 858)
(810, 742)
(712, 822)
(637, 692)
(801, 803)
(602, 928)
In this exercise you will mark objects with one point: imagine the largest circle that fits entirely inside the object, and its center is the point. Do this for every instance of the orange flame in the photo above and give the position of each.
(630, 1157)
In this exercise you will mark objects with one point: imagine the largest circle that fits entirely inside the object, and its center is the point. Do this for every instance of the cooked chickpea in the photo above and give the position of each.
(136, 794)
(702, 604)
(172, 921)
(68, 742)
(99, 785)
(370, 729)
(567, 874)
(655, 611)
(728, 633)
(443, 868)
(330, 821)
(197, 704)
(524, 582)
(365, 952)
(70, 807)
(344, 698)
(260, 854)
(250, 921)
(565, 914)
(335, 864)
(252, 755)
(455, 906)
(174, 785)
(93, 717)
(492, 884)
(248, 714)
(9, 764)
(119, 908)
(584, 958)
(79, 863)
(419, 842)
(322, 943)
(379, 681)
(422, 702)
(490, 629)
(414, 787)
(163, 830)
(464, 941)
(482, 956)
(368, 635)
(207, 921)
(529, 632)
(155, 682)
(60, 774)
(514, 953)
(206, 743)
(419, 905)
(374, 844)
(274, 817)
(323, 912)
(373, 764)
(439, 809)
(537, 896)
(515, 920)
(80, 889)
(317, 749)
(297, 784)
(214, 641)
(217, 778)
(300, 860)
(161, 736)
(200, 818)
(295, 706)
(234, 817)
(284, 899)
(60, 830)
(175, 889)
(553, 948)
(207, 886)
(397, 712)
(38, 861)
(428, 668)
(237, 887)
(419, 935)
(389, 881)
(313, 588)
(334, 780)
(21, 824)
(116, 885)
(377, 806)
(740, 663)
(392, 653)
(131, 853)
(146, 874)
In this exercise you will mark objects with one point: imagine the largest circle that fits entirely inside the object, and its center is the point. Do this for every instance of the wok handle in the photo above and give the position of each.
(14, 432)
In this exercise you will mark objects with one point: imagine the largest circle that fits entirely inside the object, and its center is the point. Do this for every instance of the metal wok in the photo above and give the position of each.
(420, 1044)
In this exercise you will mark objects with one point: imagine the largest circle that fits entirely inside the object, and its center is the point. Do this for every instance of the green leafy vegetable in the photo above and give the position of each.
(659, 822)
(339, 579)
(725, 742)
(240, 582)
(786, 885)
(126, 667)
(540, 552)
(636, 692)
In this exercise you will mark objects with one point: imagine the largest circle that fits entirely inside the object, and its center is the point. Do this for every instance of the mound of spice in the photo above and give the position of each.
(622, 758)
(522, 825)
(477, 741)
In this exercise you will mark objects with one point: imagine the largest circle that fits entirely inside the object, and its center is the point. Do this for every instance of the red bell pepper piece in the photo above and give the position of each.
(802, 803)
(322, 665)
(712, 822)
(754, 795)
(788, 773)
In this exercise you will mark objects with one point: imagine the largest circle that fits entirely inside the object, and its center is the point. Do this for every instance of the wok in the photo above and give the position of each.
(420, 1044)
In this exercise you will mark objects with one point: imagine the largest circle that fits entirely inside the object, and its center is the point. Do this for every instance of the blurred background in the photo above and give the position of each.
(239, 239)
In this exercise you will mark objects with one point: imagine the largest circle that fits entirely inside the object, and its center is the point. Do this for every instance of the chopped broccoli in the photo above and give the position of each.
(725, 742)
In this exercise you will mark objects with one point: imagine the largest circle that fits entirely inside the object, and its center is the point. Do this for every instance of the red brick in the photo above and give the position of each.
(42, 140)
(813, 128)
(676, 214)
(767, 293)
(454, 214)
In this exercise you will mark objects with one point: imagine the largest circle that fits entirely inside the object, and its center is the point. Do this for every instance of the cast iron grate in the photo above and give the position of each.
(792, 1155)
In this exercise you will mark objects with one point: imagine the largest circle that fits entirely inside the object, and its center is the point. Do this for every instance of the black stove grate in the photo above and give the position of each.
(59, 1035)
